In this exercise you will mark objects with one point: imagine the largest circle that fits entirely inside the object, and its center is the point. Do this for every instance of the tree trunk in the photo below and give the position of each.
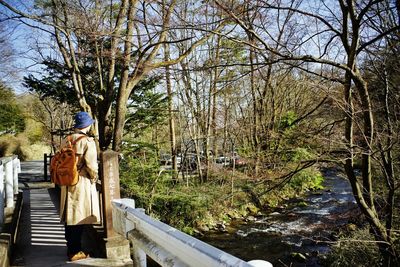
(124, 91)
(255, 115)
(172, 136)
(214, 99)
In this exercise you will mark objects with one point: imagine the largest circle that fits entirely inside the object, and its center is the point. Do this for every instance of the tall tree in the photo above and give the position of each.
(11, 116)
(128, 33)
(343, 30)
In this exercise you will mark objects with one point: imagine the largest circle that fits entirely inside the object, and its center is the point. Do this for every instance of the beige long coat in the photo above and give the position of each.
(79, 204)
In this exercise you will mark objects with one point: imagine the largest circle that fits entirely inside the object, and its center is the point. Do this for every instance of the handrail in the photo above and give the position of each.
(165, 244)
(46, 164)
(9, 169)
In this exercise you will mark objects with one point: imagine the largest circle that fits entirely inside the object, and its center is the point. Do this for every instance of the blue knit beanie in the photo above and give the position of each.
(82, 120)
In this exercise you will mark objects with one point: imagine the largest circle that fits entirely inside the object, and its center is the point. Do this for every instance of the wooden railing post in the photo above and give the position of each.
(45, 166)
(110, 187)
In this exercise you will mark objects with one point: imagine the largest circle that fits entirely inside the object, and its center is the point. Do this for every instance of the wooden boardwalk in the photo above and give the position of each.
(40, 240)
(40, 237)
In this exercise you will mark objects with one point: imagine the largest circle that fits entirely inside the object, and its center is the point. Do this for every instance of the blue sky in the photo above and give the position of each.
(24, 42)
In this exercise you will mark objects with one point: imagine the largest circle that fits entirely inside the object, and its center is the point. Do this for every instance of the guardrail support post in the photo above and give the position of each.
(16, 168)
(1, 193)
(9, 184)
(123, 226)
(166, 245)
(138, 255)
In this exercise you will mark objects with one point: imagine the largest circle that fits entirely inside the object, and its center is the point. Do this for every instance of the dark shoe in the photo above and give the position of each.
(78, 256)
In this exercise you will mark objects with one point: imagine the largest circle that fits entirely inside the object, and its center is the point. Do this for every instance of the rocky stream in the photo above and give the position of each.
(298, 234)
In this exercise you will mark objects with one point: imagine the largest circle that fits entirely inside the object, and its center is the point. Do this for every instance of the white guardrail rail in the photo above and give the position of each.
(9, 169)
(165, 244)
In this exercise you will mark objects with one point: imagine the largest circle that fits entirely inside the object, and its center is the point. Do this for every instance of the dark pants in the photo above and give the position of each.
(73, 235)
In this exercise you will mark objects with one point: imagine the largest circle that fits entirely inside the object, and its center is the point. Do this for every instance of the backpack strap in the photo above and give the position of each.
(76, 140)
(73, 143)
(69, 141)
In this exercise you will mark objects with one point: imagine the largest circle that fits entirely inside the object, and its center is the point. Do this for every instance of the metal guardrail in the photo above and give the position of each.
(9, 169)
(161, 242)
(165, 244)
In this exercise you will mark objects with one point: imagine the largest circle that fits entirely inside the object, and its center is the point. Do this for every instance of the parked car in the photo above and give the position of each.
(238, 161)
(165, 159)
(225, 161)
(188, 164)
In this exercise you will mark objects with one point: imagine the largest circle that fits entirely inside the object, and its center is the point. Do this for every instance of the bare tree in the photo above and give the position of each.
(121, 40)
(334, 34)
(54, 116)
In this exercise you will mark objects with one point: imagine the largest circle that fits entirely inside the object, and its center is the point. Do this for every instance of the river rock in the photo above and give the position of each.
(221, 227)
(198, 232)
(241, 233)
(274, 213)
(302, 204)
(281, 208)
(252, 209)
(251, 219)
(203, 228)
(298, 257)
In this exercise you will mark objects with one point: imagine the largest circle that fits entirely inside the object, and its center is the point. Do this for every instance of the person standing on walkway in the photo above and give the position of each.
(79, 204)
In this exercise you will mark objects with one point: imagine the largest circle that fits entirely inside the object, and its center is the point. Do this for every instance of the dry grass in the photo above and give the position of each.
(20, 145)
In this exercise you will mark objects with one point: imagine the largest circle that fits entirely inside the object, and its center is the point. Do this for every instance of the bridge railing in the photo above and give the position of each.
(165, 244)
(9, 169)
(161, 242)
(46, 165)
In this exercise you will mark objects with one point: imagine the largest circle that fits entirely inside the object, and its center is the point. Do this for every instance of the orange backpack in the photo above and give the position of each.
(63, 165)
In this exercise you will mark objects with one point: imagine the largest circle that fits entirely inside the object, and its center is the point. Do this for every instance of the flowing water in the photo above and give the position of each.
(305, 229)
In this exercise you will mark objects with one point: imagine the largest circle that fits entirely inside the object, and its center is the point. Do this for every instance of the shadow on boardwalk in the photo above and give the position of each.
(40, 239)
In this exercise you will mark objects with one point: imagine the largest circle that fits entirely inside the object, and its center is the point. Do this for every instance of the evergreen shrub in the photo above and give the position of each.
(153, 189)
(307, 179)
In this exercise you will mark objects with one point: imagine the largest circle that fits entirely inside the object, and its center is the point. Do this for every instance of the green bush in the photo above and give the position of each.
(179, 209)
(186, 207)
(153, 189)
(173, 206)
(300, 154)
(307, 179)
(287, 120)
